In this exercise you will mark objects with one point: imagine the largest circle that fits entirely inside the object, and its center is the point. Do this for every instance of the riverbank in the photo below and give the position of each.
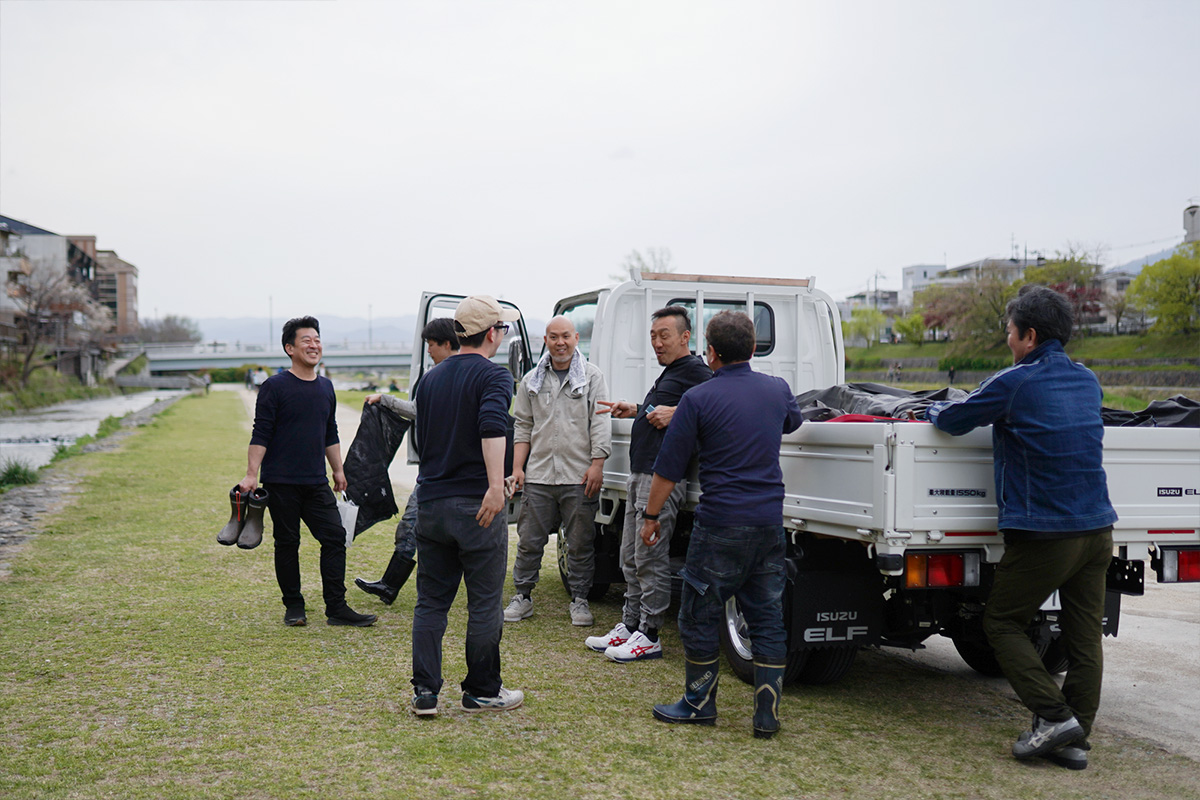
(140, 659)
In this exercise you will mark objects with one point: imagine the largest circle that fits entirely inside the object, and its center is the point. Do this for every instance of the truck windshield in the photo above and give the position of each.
(764, 319)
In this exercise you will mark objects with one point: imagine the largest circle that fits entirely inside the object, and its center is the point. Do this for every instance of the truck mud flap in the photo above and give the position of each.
(1127, 577)
(834, 609)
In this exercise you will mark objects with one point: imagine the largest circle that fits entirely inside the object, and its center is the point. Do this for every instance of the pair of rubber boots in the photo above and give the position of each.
(698, 706)
(245, 526)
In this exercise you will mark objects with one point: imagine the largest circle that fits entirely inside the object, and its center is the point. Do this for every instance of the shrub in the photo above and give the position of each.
(16, 473)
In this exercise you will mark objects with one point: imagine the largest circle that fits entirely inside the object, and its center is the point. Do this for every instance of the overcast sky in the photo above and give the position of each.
(329, 156)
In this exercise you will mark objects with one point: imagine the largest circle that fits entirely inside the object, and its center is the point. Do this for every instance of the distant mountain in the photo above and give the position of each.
(1136, 265)
(384, 331)
(334, 330)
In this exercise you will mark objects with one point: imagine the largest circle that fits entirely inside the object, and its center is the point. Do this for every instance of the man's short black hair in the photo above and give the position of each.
(731, 334)
(474, 340)
(441, 330)
(292, 325)
(682, 320)
(1044, 310)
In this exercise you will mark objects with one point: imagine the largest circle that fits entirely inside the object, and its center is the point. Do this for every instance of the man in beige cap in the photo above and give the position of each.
(462, 520)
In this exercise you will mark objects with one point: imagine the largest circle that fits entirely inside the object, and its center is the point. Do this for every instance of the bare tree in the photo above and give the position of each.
(53, 309)
(170, 329)
(656, 259)
(1117, 303)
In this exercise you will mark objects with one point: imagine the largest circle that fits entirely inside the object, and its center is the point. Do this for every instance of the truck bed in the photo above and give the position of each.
(906, 484)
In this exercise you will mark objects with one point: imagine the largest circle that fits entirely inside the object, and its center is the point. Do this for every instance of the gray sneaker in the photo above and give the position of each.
(581, 614)
(519, 608)
(1046, 735)
(507, 700)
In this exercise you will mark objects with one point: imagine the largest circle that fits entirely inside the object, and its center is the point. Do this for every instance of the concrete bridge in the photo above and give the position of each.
(194, 358)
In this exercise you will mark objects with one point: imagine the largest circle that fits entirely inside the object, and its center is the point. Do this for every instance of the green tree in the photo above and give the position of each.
(866, 322)
(972, 312)
(912, 327)
(1170, 290)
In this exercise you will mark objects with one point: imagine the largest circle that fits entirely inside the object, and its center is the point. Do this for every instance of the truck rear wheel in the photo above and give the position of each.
(828, 665)
(736, 645)
(979, 656)
(598, 589)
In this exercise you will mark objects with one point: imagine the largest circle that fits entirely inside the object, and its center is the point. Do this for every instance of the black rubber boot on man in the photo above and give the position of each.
(348, 616)
(252, 531)
(238, 503)
(698, 706)
(768, 688)
(394, 578)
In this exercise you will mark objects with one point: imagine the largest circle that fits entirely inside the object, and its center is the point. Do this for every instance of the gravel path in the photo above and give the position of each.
(22, 508)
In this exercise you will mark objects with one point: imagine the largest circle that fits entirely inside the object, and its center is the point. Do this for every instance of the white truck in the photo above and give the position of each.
(891, 525)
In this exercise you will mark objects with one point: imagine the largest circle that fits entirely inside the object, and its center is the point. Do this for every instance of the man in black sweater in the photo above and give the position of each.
(462, 519)
(295, 431)
(647, 568)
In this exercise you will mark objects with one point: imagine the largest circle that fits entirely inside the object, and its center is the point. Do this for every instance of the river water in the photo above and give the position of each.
(32, 438)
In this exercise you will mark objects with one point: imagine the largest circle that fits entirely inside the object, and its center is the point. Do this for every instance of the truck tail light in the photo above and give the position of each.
(938, 570)
(1180, 565)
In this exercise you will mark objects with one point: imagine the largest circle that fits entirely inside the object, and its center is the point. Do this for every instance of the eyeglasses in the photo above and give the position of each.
(501, 326)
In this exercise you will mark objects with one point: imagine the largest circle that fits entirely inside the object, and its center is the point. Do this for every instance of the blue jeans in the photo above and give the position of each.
(742, 562)
(451, 549)
(406, 529)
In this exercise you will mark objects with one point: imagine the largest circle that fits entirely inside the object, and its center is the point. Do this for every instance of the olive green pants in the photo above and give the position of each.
(1027, 574)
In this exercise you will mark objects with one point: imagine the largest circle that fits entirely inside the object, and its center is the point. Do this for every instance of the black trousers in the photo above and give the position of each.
(315, 506)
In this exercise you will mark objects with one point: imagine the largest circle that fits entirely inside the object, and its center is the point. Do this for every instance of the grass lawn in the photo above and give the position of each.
(140, 659)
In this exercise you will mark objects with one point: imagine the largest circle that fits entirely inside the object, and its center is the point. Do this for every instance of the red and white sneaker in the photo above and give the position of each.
(618, 635)
(637, 648)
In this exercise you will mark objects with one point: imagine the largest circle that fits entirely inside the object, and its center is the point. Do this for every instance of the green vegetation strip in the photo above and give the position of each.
(140, 659)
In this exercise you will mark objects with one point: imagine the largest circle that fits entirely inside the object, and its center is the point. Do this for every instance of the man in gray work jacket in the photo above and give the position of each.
(559, 447)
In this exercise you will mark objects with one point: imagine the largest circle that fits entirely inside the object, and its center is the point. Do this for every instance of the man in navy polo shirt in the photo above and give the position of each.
(737, 545)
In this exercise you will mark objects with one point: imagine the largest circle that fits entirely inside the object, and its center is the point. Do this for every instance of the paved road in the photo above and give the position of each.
(1151, 668)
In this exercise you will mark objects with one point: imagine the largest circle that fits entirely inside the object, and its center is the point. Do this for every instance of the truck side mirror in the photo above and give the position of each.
(518, 364)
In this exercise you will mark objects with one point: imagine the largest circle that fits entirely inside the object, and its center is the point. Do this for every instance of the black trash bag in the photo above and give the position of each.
(380, 432)
(1174, 412)
(871, 399)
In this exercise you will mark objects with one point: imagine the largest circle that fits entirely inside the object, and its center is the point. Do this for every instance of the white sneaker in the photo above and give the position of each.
(519, 608)
(581, 614)
(507, 700)
(618, 635)
(637, 648)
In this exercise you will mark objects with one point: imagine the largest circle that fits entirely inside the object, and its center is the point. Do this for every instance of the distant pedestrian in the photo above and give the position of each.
(260, 377)
(891, 376)
(951, 372)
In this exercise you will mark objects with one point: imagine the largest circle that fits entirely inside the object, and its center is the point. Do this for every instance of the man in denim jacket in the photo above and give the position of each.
(1054, 512)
